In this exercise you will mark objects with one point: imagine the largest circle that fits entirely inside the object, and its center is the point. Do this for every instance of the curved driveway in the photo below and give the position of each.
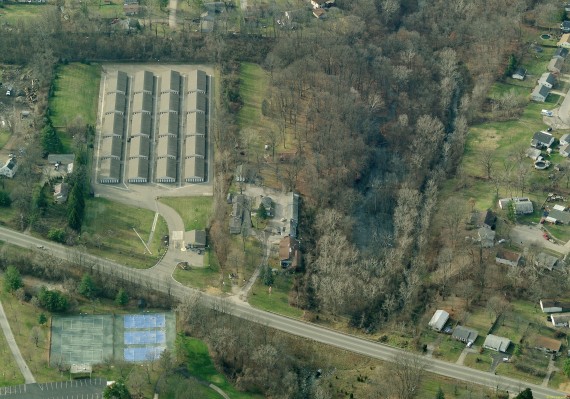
(242, 310)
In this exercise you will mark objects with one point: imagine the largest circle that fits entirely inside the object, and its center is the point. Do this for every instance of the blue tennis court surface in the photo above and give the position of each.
(143, 354)
(145, 337)
(145, 321)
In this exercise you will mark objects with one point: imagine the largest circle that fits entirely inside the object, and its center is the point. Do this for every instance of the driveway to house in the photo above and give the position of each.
(563, 114)
(296, 327)
(527, 235)
(24, 369)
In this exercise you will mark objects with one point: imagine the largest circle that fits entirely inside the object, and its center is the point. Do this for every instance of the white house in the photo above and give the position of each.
(540, 93)
(9, 169)
(523, 205)
(438, 320)
(554, 306)
(499, 344)
(547, 79)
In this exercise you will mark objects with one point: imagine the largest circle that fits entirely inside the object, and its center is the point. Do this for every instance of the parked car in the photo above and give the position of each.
(546, 112)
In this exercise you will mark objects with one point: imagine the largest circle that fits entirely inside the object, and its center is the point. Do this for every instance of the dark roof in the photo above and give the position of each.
(465, 334)
(548, 77)
(561, 52)
(562, 216)
(543, 137)
(520, 71)
(554, 303)
(490, 218)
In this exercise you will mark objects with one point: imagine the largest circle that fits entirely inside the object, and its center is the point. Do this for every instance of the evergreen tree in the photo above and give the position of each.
(267, 275)
(12, 279)
(76, 206)
(51, 142)
(440, 394)
(526, 394)
(87, 287)
(122, 298)
(42, 319)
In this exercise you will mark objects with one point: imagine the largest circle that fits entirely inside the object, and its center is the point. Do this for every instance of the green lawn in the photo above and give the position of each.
(278, 300)
(194, 211)
(509, 370)
(109, 225)
(253, 86)
(66, 106)
(449, 349)
(204, 277)
(4, 137)
(200, 365)
(479, 361)
(480, 320)
(11, 13)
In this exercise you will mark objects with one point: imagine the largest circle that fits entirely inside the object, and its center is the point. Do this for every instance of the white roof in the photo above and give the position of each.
(559, 207)
(439, 319)
(499, 344)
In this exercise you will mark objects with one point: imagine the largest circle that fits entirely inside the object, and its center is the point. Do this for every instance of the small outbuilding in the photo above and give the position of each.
(496, 343)
(557, 216)
(195, 239)
(554, 306)
(9, 169)
(546, 261)
(438, 320)
(519, 74)
(60, 193)
(560, 319)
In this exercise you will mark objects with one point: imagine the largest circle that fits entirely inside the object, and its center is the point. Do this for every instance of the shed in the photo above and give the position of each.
(496, 343)
(141, 124)
(197, 81)
(170, 82)
(143, 82)
(519, 74)
(168, 124)
(195, 239)
(109, 170)
(533, 153)
(438, 320)
(560, 319)
(195, 123)
(464, 334)
(166, 169)
(545, 261)
(554, 306)
(138, 169)
(142, 103)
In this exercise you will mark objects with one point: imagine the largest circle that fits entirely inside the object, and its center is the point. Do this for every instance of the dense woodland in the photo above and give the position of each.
(379, 100)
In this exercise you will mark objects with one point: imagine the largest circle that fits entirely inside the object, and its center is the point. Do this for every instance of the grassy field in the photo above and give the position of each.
(11, 13)
(509, 370)
(9, 371)
(66, 105)
(278, 300)
(449, 349)
(113, 224)
(194, 211)
(200, 365)
(4, 137)
(479, 361)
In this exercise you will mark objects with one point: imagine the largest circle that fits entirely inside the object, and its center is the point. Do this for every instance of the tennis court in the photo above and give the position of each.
(142, 354)
(144, 337)
(81, 339)
(145, 320)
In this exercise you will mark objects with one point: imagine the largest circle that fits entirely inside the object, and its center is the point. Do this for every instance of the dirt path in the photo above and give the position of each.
(14, 347)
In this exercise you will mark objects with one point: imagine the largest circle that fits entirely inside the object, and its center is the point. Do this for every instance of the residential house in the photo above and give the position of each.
(522, 205)
(496, 343)
(560, 319)
(564, 41)
(289, 252)
(533, 153)
(293, 214)
(547, 79)
(61, 191)
(9, 169)
(542, 140)
(490, 221)
(438, 320)
(545, 344)
(558, 216)
(565, 26)
(546, 261)
(506, 257)
(486, 237)
(319, 13)
(519, 74)
(540, 93)
(238, 210)
(464, 334)
(561, 52)
(555, 65)
(565, 150)
(195, 239)
(554, 306)
(565, 139)
(268, 204)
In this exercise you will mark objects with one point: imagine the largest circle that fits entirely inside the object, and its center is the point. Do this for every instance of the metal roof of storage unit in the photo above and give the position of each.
(143, 82)
(168, 124)
(196, 102)
(142, 102)
(167, 146)
(166, 170)
(138, 170)
(140, 146)
(169, 102)
(197, 81)
(195, 145)
(111, 146)
(117, 83)
(113, 125)
(115, 103)
(170, 82)
(141, 125)
(109, 170)
(194, 169)
(195, 123)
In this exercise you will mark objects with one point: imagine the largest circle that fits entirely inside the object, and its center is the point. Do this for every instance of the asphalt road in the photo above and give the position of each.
(243, 310)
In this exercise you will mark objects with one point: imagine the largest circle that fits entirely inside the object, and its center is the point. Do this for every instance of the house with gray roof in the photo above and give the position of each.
(486, 237)
(555, 65)
(195, 239)
(496, 343)
(547, 79)
(554, 306)
(464, 334)
(560, 319)
(561, 52)
(522, 205)
(540, 93)
(238, 209)
(542, 140)
(557, 216)
(545, 261)
(519, 74)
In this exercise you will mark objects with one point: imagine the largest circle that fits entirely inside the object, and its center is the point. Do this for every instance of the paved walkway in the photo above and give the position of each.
(463, 355)
(551, 368)
(14, 347)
